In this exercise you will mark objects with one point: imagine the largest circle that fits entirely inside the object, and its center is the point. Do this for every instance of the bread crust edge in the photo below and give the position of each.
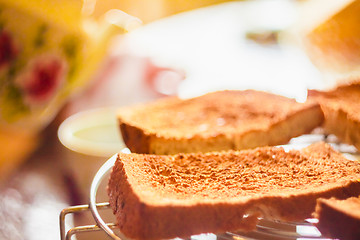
(334, 223)
(139, 141)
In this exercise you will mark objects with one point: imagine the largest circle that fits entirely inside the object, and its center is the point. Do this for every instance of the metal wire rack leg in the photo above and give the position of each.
(93, 207)
(80, 229)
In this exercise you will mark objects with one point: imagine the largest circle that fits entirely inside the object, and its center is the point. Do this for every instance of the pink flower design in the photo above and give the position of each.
(8, 51)
(41, 78)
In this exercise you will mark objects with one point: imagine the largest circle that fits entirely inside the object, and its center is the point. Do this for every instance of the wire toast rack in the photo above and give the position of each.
(265, 230)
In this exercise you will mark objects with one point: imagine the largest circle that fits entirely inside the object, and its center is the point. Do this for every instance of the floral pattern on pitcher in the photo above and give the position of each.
(39, 62)
(48, 51)
(41, 78)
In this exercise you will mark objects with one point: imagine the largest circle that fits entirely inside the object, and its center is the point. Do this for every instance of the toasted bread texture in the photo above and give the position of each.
(167, 196)
(341, 107)
(216, 121)
(339, 219)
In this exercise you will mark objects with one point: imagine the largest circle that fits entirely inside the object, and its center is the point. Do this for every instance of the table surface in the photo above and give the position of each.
(208, 44)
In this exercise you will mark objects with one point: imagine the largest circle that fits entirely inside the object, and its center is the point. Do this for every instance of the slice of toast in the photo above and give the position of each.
(339, 219)
(167, 196)
(341, 107)
(216, 121)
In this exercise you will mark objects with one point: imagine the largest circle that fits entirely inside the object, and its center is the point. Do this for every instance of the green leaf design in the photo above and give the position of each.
(70, 45)
(13, 107)
(39, 40)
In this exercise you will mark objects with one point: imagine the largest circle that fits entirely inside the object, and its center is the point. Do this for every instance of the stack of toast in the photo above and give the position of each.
(212, 164)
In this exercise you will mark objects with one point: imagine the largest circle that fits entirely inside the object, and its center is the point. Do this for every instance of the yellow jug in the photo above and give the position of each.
(48, 51)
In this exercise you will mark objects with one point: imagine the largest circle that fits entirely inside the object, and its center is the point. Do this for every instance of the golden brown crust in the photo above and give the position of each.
(339, 219)
(158, 196)
(216, 121)
(341, 107)
(134, 138)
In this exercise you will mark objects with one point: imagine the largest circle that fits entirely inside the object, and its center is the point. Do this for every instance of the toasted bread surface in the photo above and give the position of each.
(339, 219)
(341, 107)
(166, 196)
(216, 121)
